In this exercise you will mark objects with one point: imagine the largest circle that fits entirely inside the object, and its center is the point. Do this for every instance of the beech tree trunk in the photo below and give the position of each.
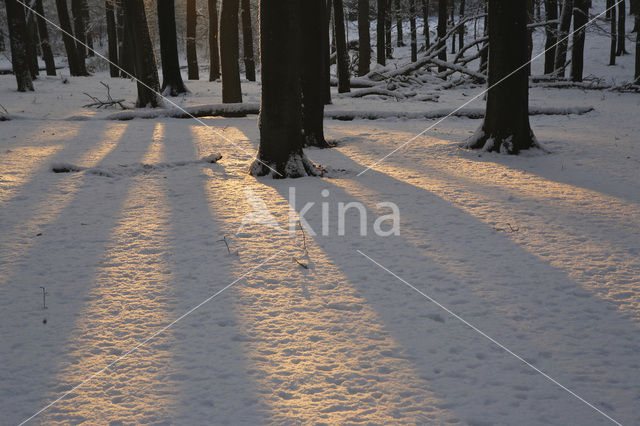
(172, 83)
(31, 40)
(112, 37)
(398, 13)
(414, 34)
(364, 36)
(561, 50)
(145, 69)
(344, 84)
(76, 66)
(17, 38)
(247, 42)
(214, 54)
(506, 126)
(551, 12)
(622, 18)
(45, 45)
(231, 90)
(380, 33)
(580, 19)
(442, 31)
(425, 19)
(614, 36)
(281, 110)
(313, 38)
(192, 53)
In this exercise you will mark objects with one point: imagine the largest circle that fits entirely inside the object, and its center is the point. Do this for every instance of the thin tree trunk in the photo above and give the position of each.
(414, 33)
(75, 68)
(231, 90)
(614, 36)
(387, 30)
(622, 18)
(214, 54)
(462, 29)
(442, 30)
(551, 12)
(380, 33)
(561, 50)
(45, 45)
(506, 126)
(341, 46)
(247, 42)
(398, 13)
(172, 83)
(87, 27)
(326, 53)
(364, 36)
(637, 73)
(17, 38)
(530, 12)
(425, 19)
(125, 47)
(313, 39)
(281, 110)
(580, 19)
(112, 38)
(145, 68)
(32, 45)
(77, 10)
(192, 53)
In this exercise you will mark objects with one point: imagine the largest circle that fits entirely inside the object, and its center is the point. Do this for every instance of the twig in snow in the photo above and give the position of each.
(107, 103)
(510, 230)
(44, 298)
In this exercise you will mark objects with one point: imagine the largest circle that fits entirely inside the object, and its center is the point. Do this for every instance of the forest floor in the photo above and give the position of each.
(539, 252)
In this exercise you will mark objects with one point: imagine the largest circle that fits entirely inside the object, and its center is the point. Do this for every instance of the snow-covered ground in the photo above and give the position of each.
(540, 252)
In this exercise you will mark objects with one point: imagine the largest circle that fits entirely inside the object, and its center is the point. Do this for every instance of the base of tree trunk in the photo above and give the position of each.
(316, 141)
(171, 90)
(298, 165)
(505, 144)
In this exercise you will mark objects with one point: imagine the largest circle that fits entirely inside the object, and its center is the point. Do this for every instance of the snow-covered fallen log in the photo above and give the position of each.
(356, 82)
(212, 110)
(372, 91)
(459, 68)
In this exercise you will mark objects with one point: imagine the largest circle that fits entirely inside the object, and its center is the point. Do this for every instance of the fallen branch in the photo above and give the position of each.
(107, 103)
(214, 110)
(373, 91)
(459, 68)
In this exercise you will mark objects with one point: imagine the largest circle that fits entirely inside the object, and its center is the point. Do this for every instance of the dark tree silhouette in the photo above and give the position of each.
(622, 19)
(45, 45)
(247, 41)
(112, 37)
(17, 38)
(192, 52)
(76, 65)
(425, 20)
(442, 30)
(563, 41)
(612, 15)
(172, 83)
(462, 29)
(364, 36)
(326, 53)
(145, 69)
(551, 11)
(231, 90)
(31, 41)
(388, 48)
(414, 34)
(380, 31)
(281, 110)
(398, 14)
(506, 124)
(313, 39)
(214, 54)
(580, 19)
(341, 47)
(78, 10)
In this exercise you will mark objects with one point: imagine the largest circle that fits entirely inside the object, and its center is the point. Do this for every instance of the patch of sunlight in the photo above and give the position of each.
(130, 299)
(18, 165)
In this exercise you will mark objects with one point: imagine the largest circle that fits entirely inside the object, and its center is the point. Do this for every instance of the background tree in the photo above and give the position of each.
(172, 83)
(551, 13)
(45, 45)
(145, 69)
(342, 55)
(313, 38)
(247, 42)
(214, 55)
(78, 10)
(76, 65)
(326, 53)
(192, 52)
(112, 37)
(580, 19)
(231, 90)
(462, 29)
(622, 19)
(388, 48)
(442, 30)
(17, 38)
(563, 41)
(614, 35)
(364, 37)
(398, 14)
(506, 124)
(31, 44)
(380, 33)
(280, 118)
(425, 19)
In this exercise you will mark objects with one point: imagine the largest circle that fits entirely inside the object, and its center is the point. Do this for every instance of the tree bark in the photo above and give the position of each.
(247, 42)
(580, 19)
(17, 38)
(506, 125)
(281, 110)
(442, 30)
(45, 45)
(364, 37)
(614, 36)
(398, 13)
(414, 33)
(172, 83)
(387, 30)
(425, 20)
(551, 12)
(79, 27)
(380, 33)
(125, 49)
(231, 90)
(112, 37)
(76, 68)
(341, 46)
(214, 54)
(462, 29)
(637, 73)
(192, 52)
(622, 18)
(31, 40)
(561, 50)
(326, 53)
(313, 38)
(145, 69)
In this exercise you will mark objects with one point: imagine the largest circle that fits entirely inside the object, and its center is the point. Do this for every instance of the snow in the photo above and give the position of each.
(540, 251)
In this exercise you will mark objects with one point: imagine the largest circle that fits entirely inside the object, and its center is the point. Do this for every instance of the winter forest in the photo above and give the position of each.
(320, 212)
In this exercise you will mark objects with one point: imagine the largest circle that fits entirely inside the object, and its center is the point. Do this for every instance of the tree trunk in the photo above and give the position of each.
(551, 12)
(614, 37)
(461, 31)
(637, 73)
(17, 38)
(387, 30)
(313, 39)
(580, 19)
(326, 53)
(281, 110)
(442, 30)
(425, 20)
(87, 27)
(530, 12)
(622, 18)
(380, 33)
(231, 90)
(398, 13)
(341, 46)
(172, 83)
(79, 29)
(31, 40)
(414, 33)
(112, 38)
(125, 49)
(214, 54)
(45, 45)
(192, 52)
(75, 68)
(506, 126)
(145, 69)
(247, 42)
(561, 50)
(364, 36)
